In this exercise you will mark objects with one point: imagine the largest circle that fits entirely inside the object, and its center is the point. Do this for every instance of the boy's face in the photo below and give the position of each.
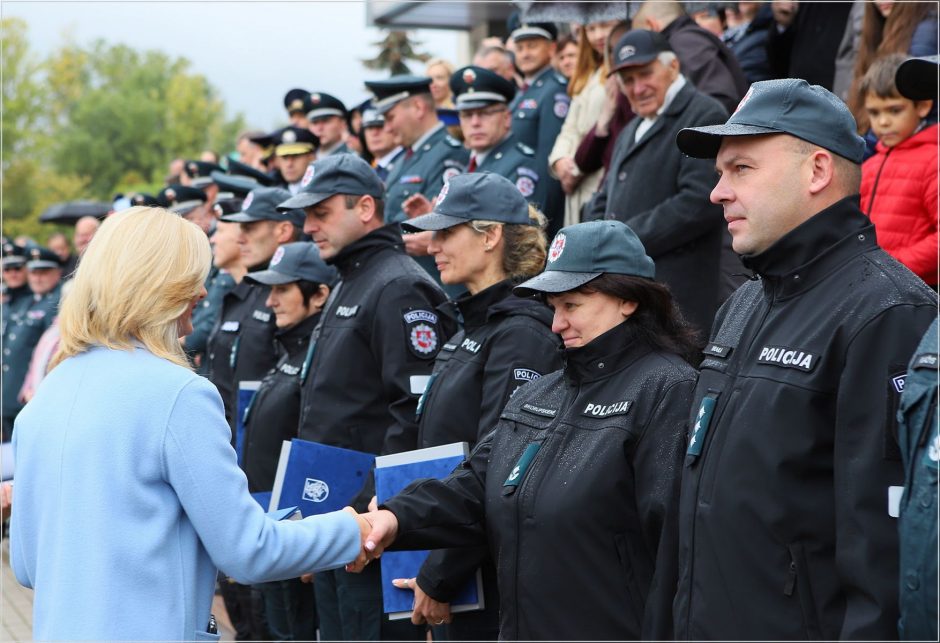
(894, 119)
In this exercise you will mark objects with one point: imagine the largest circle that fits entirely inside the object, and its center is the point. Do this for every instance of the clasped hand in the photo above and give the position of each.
(377, 530)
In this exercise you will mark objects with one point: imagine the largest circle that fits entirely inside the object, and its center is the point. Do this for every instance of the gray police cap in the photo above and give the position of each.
(788, 106)
(479, 196)
(585, 251)
(295, 262)
(335, 174)
(261, 204)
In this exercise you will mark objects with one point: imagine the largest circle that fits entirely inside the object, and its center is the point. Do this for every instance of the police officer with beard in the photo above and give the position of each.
(372, 357)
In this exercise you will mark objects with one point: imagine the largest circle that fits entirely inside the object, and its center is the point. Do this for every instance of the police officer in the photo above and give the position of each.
(488, 239)
(241, 346)
(576, 489)
(199, 174)
(327, 118)
(374, 353)
(482, 102)
(786, 529)
(297, 103)
(146, 200)
(299, 283)
(16, 292)
(190, 203)
(294, 148)
(380, 143)
(540, 107)
(25, 326)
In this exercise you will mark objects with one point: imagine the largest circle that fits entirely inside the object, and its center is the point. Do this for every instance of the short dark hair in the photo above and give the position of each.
(308, 289)
(879, 79)
(350, 201)
(658, 320)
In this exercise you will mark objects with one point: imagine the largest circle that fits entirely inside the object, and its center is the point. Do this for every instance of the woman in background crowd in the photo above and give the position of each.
(440, 72)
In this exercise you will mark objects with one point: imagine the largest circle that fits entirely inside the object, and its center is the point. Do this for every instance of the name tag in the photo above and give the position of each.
(538, 410)
(230, 326)
(894, 501)
(717, 350)
(606, 410)
(450, 348)
(786, 358)
(261, 315)
(418, 383)
(347, 311)
(287, 369)
(926, 360)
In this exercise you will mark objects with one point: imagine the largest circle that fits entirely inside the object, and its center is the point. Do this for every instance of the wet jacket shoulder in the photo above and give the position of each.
(801, 379)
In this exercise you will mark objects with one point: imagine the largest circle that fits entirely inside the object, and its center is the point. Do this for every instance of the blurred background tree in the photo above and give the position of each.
(394, 50)
(92, 121)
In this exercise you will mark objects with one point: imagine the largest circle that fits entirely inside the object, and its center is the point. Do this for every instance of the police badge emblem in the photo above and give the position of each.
(288, 136)
(444, 190)
(423, 339)
(278, 255)
(558, 246)
(308, 176)
(247, 202)
(525, 185)
(469, 76)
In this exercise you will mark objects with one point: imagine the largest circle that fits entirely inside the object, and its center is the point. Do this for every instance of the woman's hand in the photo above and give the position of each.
(609, 108)
(568, 173)
(378, 530)
(426, 609)
(416, 205)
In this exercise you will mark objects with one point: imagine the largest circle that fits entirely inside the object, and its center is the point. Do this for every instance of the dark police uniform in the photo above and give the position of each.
(324, 105)
(919, 437)
(538, 114)
(800, 380)
(576, 482)
(505, 343)
(13, 298)
(206, 316)
(516, 161)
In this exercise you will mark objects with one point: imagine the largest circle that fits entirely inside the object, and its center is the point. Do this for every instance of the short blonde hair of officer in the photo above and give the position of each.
(137, 277)
(524, 246)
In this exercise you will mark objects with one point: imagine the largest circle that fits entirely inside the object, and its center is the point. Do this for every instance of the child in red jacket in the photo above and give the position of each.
(899, 183)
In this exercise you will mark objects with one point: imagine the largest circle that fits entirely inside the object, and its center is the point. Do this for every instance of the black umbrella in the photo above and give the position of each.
(580, 12)
(71, 211)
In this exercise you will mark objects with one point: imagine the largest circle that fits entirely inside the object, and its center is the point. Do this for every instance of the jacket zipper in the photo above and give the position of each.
(874, 188)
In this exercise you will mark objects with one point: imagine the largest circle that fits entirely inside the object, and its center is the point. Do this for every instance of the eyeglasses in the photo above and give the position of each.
(467, 114)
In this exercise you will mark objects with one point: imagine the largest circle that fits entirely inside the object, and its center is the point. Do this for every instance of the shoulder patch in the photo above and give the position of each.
(561, 79)
(524, 171)
(526, 186)
(525, 149)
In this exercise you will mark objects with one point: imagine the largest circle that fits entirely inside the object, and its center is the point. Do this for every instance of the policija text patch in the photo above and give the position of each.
(786, 358)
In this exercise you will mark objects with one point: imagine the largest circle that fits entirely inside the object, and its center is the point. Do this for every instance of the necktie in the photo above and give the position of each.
(472, 166)
(409, 153)
(524, 88)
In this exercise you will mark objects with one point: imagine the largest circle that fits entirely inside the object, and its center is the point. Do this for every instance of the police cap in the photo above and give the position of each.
(916, 78)
(295, 262)
(476, 87)
(479, 196)
(372, 118)
(297, 100)
(40, 258)
(585, 251)
(227, 205)
(148, 200)
(261, 204)
(13, 255)
(200, 172)
(291, 140)
(788, 106)
(332, 175)
(182, 199)
(391, 91)
(520, 30)
(324, 105)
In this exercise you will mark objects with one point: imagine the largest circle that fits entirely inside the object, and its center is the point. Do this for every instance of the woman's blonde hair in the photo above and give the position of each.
(524, 246)
(136, 278)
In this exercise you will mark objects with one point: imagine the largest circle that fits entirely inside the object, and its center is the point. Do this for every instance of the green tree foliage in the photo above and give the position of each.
(90, 121)
(394, 50)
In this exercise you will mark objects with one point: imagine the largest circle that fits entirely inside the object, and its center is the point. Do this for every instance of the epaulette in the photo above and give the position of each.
(525, 149)
(561, 79)
(453, 142)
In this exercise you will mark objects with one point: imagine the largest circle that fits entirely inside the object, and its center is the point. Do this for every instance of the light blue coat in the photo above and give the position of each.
(128, 497)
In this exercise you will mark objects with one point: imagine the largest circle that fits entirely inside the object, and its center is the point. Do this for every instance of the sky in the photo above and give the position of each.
(252, 52)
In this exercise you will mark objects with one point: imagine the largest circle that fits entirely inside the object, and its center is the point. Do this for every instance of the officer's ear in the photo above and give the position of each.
(366, 210)
(318, 299)
(821, 167)
(492, 236)
(284, 232)
(627, 308)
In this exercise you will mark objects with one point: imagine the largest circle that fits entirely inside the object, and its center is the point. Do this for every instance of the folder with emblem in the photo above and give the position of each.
(318, 478)
(392, 474)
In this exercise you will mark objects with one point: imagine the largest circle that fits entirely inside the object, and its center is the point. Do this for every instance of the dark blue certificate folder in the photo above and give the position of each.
(246, 393)
(317, 478)
(392, 474)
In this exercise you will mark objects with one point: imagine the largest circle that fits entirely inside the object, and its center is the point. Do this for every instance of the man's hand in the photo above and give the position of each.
(426, 609)
(416, 205)
(416, 244)
(379, 529)
(6, 499)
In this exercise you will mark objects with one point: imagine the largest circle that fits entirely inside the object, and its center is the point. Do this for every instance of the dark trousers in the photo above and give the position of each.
(350, 608)
(245, 609)
(290, 610)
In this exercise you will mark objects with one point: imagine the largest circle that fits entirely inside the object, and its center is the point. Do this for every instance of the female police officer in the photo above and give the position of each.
(487, 238)
(299, 282)
(576, 490)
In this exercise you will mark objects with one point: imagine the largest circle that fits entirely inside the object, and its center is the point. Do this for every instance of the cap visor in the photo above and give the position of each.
(634, 62)
(239, 217)
(293, 149)
(302, 200)
(270, 277)
(475, 104)
(704, 142)
(39, 265)
(554, 281)
(432, 221)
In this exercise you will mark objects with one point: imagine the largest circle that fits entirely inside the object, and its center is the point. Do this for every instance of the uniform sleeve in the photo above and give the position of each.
(657, 466)
(199, 463)
(517, 355)
(866, 548)
(684, 216)
(445, 513)
(203, 322)
(447, 571)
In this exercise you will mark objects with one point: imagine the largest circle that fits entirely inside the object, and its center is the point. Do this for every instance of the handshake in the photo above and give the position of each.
(377, 529)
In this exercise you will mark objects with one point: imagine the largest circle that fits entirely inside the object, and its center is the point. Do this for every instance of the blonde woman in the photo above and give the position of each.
(440, 71)
(586, 88)
(128, 493)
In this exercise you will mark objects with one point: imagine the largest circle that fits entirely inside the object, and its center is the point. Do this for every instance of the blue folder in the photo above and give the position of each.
(246, 393)
(392, 474)
(318, 478)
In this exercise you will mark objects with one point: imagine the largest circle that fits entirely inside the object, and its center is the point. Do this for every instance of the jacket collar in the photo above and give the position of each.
(606, 355)
(294, 339)
(677, 106)
(926, 135)
(363, 250)
(475, 309)
(814, 249)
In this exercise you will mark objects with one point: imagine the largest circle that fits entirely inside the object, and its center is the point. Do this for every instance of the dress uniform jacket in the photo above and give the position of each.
(576, 491)
(919, 437)
(241, 347)
(206, 316)
(784, 525)
(515, 161)
(26, 325)
(538, 114)
(274, 412)
(440, 157)
(13, 300)
(505, 343)
(375, 351)
(663, 196)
